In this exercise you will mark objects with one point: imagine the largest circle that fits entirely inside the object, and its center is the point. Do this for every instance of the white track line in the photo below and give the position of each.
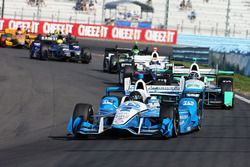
(242, 98)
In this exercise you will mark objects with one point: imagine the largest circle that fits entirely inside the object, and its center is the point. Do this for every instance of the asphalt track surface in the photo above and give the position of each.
(37, 99)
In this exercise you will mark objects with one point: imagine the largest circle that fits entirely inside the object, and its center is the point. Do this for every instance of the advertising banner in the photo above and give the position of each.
(94, 31)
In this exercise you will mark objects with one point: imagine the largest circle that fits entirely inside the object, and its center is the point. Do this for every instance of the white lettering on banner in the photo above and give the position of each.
(126, 33)
(160, 36)
(1, 24)
(33, 26)
(93, 31)
(51, 27)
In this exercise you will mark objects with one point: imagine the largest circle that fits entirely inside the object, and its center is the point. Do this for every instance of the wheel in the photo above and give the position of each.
(128, 72)
(105, 63)
(86, 55)
(113, 67)
(168, 79)
(31, 56)
(120, 77)
(85, 111)
(199, 114)
(3, 44)
(226, 85)
(176, 124)
(44, 53)
(169, 111)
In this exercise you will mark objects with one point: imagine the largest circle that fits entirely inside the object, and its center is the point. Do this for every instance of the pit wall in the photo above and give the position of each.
(228, 53)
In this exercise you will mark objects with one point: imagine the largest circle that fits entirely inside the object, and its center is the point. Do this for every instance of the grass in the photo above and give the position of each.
(241, 82)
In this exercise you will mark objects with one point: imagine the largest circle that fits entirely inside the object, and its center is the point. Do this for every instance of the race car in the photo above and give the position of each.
(219, 84)
(145, 110)
(45, 48)
(11, 38)
(154, 68)
(113, 57)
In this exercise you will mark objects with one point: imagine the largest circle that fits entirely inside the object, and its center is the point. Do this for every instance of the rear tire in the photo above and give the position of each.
(113, 67)
(86, 55)
(199, 114)
(226, 85)
(105, 62)
(44, 53)
(128, 72)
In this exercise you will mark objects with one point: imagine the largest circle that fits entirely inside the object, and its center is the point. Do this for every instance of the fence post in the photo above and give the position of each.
(182, 22)
(22, 14)
(58, 15)
(216, 30)
(199, 28)
(212, 31)
(195, 27)
(34, 16)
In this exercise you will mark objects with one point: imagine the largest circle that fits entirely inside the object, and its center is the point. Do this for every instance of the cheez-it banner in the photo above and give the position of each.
(94, 31)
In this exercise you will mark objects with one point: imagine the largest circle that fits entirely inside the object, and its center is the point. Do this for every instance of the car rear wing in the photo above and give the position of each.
(210, 72)
(159, 90)
(147, 59)
(119, 50)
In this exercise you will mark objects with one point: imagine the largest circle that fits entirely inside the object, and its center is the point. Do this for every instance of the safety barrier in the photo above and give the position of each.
(94, 31)
(228, 53)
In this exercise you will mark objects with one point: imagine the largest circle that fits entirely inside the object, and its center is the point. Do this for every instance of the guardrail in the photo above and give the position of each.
(228, 53)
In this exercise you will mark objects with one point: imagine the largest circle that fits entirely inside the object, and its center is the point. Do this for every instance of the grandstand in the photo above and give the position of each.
(211, 15)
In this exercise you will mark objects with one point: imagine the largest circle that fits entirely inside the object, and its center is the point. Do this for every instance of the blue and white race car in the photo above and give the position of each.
(144, 110)
(45, 48)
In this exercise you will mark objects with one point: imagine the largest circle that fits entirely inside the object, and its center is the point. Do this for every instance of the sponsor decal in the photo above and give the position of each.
(94, 31)
(188, 103)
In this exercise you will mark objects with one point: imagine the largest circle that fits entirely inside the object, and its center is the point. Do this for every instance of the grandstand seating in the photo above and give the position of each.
(210, 20)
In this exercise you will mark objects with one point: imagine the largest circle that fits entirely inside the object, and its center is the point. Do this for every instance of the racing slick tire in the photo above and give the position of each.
(169, 111)
(199, 114)
(44, 53)
(105, 63)
(86, 55)
(226, 84)
(113, 67)
(85, 111)
(128, 72)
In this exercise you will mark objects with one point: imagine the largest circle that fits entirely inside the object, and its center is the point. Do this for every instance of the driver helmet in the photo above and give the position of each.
(59, 41)
(154, 59)
(136, 96)
(194, 75)
(135, 48)
(56, 32)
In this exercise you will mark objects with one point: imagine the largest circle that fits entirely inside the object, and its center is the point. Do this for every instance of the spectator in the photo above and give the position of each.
(182, 4)
(192, 15)
(189, 4)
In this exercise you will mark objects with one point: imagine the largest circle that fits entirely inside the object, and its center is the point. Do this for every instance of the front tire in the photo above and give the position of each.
(85, 112)
(169, 111)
